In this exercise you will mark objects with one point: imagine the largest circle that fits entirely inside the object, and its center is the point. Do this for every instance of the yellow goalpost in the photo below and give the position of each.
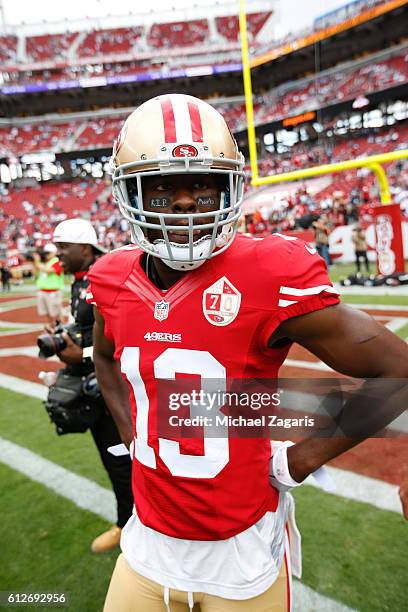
(372, 162)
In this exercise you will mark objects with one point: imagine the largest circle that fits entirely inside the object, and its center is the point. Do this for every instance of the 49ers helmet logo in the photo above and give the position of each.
(185, 150)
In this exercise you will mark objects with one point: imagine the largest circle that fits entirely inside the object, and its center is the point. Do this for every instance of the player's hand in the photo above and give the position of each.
(403, 493)
(50, 329)
(72, 353)
(296, 468)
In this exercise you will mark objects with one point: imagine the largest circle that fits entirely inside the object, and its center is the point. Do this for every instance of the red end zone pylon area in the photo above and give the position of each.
(383, 459)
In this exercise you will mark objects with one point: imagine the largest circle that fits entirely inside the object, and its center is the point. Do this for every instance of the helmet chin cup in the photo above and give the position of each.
(180, 254)
(183, 266)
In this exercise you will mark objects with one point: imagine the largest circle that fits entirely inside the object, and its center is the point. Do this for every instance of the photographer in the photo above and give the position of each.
(85, 408)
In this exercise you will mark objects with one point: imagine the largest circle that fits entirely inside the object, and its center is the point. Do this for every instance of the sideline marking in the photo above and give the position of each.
(82, 492)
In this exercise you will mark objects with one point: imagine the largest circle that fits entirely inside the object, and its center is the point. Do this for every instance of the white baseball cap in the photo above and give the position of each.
(77, 231)
(50, 248)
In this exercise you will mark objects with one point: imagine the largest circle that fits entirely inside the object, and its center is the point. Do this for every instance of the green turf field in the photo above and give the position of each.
(339, 271)
(385, 300)
(352, 552)
(45, 546)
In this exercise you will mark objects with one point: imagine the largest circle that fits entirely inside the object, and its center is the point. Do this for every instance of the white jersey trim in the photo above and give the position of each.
(309, 291)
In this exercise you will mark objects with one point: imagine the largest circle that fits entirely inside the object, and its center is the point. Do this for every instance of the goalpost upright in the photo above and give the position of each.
(373, 162)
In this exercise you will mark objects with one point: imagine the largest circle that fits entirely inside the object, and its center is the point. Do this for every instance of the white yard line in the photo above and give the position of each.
(18, 331)
(17, 305)
(356, 487)
(307, 600)
(28, 351)
(84, 493)
(19, 385)
(6, 324)
(395, 323)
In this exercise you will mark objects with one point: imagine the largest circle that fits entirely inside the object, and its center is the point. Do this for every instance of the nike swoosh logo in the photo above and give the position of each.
(311, 251)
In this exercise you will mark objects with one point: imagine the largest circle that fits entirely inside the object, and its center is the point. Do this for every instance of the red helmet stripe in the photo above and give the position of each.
(168, 120)
(196, 125)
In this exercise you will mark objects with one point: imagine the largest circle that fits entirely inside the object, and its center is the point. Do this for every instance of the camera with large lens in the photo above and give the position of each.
(51, 344)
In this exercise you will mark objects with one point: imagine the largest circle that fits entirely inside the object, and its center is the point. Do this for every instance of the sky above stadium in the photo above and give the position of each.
(295, 14)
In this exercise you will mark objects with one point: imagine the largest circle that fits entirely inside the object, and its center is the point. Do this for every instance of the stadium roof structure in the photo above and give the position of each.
(137, 16)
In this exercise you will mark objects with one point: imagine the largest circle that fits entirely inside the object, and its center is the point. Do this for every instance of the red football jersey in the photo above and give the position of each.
(214, 323)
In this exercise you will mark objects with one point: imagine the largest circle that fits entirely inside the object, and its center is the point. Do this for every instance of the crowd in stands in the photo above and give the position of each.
(105, 42)
(228, 26)
(373, 141)
(178, 34)
(49, 46)
(18, 140)
(96, 43)
(8, 49)
(99, 131)
(28, 215)
(336, 86)
(349, 198)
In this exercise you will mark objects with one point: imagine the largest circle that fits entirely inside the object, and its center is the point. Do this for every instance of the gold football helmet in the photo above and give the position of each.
(178, 134)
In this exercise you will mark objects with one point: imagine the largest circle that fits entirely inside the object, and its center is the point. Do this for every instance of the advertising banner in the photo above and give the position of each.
(388, 245)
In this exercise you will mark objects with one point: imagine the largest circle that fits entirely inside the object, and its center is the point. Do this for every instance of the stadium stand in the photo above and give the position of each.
(228, 27)
(99, 133)
(178, 34)
(49, 47)
(105, 42)
(8, 49)
(34, 138)
(54, 48)
(334, 86)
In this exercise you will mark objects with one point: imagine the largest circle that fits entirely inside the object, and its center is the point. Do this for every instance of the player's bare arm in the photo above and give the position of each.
(113, 387)
(354, 344)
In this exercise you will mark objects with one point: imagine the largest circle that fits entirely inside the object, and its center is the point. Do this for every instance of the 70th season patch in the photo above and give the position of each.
(221, 302)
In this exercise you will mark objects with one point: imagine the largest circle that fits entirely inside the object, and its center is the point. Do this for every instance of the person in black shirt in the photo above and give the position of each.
(5, 276)
(76, 241)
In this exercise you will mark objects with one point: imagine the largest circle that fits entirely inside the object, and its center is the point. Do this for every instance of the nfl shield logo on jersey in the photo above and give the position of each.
(161, 310)
(221, 302)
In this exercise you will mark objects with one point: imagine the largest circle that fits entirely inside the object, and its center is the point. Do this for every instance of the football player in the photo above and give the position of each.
(192, 298)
